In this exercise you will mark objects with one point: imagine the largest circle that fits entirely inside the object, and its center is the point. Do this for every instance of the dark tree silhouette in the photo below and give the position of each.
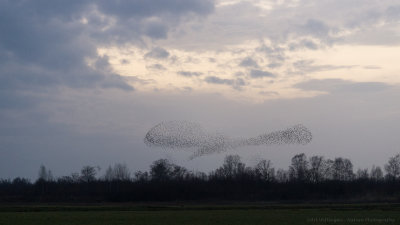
(299, 168)
(392, 168)
(315, 179)
(342, 169)
(282, 175)
(318, 168)
(376, 173)
(161, 170)
(264, 170)
(362, 174)
(44, 174)
(119, 172)
(231, 168)
(88, 174)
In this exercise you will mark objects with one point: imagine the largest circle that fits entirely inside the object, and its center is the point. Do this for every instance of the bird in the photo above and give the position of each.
(190, 135)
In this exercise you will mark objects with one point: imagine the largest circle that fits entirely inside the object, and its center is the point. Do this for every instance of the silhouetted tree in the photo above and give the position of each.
(376, 173)
(76, 177)
(21, 182)
(231, 168)
(282, 175)
(342, 169)
(264, 170)
(44, 174)
(109, 174)
(329, 179)
(362, 174)
(317, 168)
(161, 170)
(178, 172)
(141, 176)
(299, 168)
(88, 174)
(119, 172)
(329, 169)
(392, 168)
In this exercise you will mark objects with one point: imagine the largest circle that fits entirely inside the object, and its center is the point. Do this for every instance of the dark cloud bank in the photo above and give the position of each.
(45, 47)
(45, 43)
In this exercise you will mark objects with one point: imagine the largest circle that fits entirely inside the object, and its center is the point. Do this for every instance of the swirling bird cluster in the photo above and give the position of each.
(190, 135)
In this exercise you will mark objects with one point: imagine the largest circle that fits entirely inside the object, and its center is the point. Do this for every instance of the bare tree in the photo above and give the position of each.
(178, 172)
(44, 174)
(88, 173)
(161, 170)
(282, 175)
(393, 167)
(121, 172)
(232, 167)
(264, 170)
(75, 177)
(328, 171)
(141, 176)
(342, 169)
(50, 176)
(376, 173)
(317, 168)
(362, 174)
(299, 168)
(109, 174)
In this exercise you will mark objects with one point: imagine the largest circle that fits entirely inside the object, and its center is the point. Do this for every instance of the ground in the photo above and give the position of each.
(193, 214)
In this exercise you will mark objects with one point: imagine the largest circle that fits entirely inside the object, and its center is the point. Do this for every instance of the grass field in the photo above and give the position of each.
(200, 214)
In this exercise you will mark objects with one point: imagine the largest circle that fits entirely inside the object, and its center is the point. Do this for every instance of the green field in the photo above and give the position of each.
(200, 214)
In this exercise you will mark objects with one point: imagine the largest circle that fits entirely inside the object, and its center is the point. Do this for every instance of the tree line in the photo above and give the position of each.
(306, 179)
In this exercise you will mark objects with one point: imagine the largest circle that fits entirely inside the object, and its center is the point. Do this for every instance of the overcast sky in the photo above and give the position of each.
(81, 82)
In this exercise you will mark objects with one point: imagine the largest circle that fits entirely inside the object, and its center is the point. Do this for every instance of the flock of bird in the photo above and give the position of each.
(190, 135)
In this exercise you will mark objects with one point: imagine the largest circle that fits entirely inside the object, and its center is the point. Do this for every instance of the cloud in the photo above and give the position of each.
(124, 61)
(315, 27)
(372, 67)
(102, 63)
(189, 74)
(274, 65)
(49, 43)
(48, 47)
(239, 74)
(156, 30)
(217, 80)
(308, 66)
(260, 74)
(268, 93)
(157, 53)
(275, 54)
(44, 44)
(393, 13)
(49, 65)
(303, 44)
(156, 66)
(9, 100)
(126, 9)
(234, 83)
(248, 62)
(341, 86)
(153, 18)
